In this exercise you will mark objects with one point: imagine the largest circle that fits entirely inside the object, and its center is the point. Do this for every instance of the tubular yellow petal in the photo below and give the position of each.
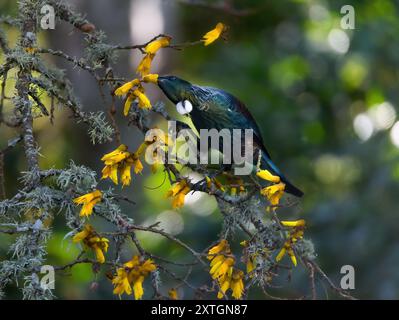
(224, 286)
(267, 175)
(223, 245)
(155, 45)
(217, 259)
(106, 172)
(296, 223)
(144, 102)
(138, 288)
(141, 149)
(121, 282)
(144, 66)
(132, 263)
(152, 78)
(244, 243)
(124, 89)
(99, 254)
(177, 187)
(233, 191)
(125, 174)
(237, 284)
(116, 156)
(80, 236)
(208, 182)
(281, 254)
(214, 34)
(225, 267)
(88, 200)
(84, 199)
(218, 185)
(127, 105)
(173, 294)
(215, 268)
(250, 266)
(274, 193)
(178, 201)
(138, 166)
(87, 209)
(293, 259)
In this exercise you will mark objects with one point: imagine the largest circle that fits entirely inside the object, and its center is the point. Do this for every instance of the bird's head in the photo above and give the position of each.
(175, 89)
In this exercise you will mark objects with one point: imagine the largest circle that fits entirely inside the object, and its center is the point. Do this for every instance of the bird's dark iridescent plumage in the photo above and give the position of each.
(218, 109)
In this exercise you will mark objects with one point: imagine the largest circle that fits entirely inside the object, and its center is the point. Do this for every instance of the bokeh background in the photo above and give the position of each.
(325, 98)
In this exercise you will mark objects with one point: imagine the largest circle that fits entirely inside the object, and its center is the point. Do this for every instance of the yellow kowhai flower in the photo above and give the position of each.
(295, 223)
(145, 64)
(152, 78)
(138, 166)
(222, 246)
(267, 175)
(214, 34)
(221, 259)
(294, 236)
(234, 281)
(237, 284)
(248, 259)
(155, 45)
(173, 294)
(116, 156)
(244, 243)
(132, 274)
(110, 172)
(125, 88)
(128, 103)
(287, 249)
(274, 193)
(125, 171)
(126, 167)
(218, 185)
(144, 102)
(88, 200)
(222, 269)
(91, 240)
(178, 192)
(224, 284)
(220, 266)
(208, 182)
(120, 161)
(250, 264)
(121, 282)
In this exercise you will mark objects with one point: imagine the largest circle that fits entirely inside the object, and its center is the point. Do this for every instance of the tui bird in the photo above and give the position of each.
(215, 108)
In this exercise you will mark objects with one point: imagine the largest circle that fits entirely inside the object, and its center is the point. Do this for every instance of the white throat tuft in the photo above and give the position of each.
(184, 107)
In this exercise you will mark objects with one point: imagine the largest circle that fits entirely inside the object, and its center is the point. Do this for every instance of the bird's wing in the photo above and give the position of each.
(239, 115)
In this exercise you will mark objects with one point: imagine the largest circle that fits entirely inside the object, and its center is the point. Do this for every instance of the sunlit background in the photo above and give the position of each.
(325, 98)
